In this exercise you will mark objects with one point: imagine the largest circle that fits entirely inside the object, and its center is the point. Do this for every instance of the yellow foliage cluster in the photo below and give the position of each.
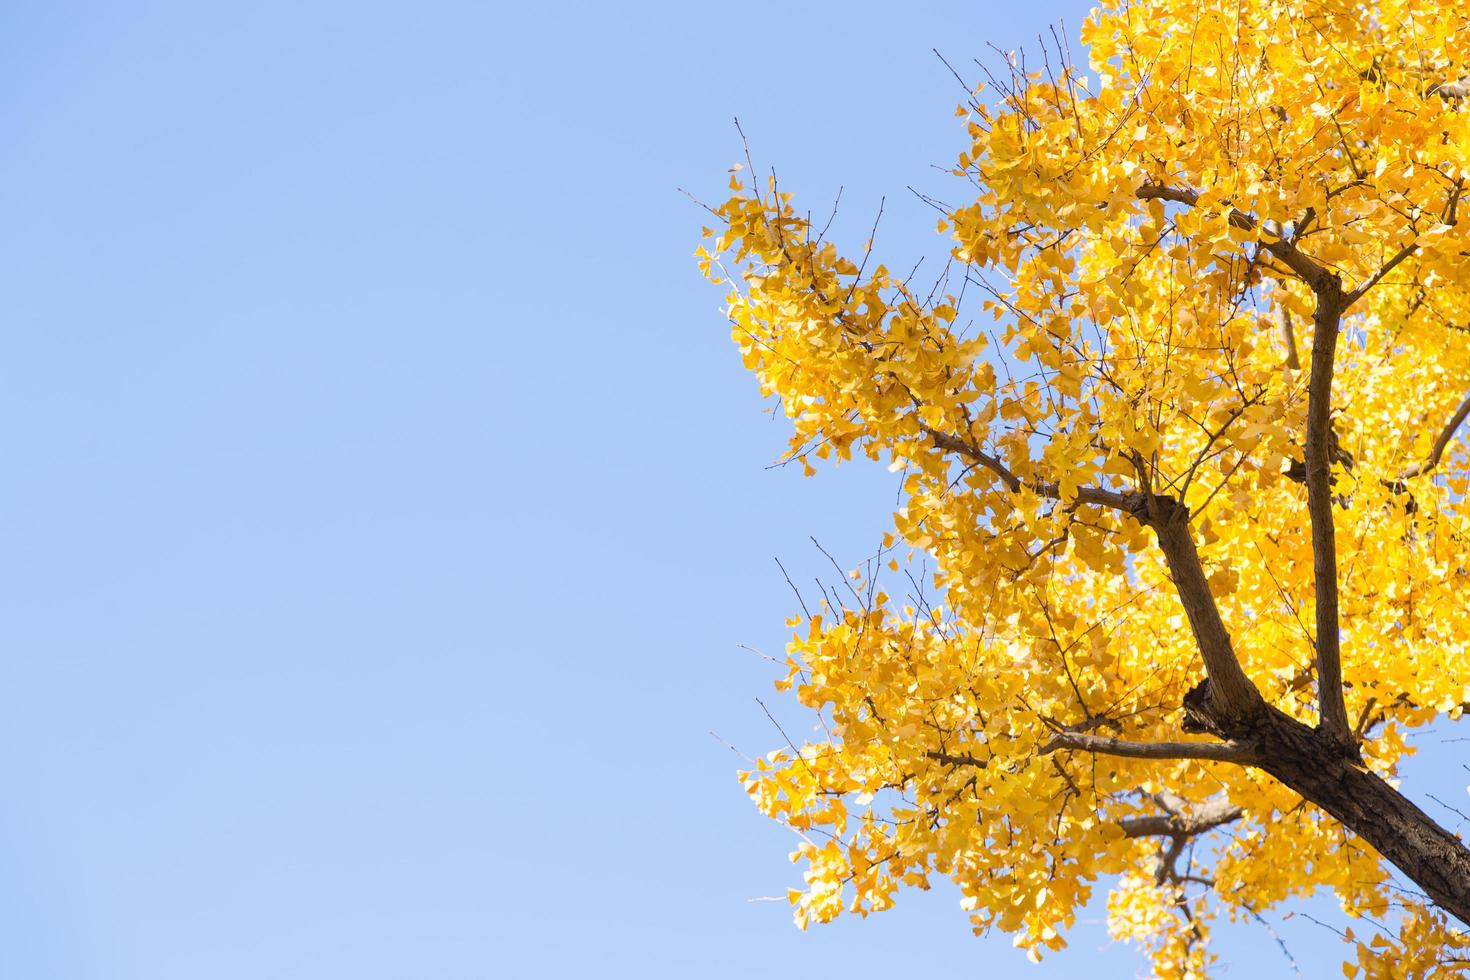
(1425, 949)
(1127, 295)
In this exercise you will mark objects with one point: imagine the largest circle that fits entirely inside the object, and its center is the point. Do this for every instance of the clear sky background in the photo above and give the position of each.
(383, 502)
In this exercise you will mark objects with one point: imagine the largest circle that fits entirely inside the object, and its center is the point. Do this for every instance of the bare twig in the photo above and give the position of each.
(1276, 936)
(794, 589)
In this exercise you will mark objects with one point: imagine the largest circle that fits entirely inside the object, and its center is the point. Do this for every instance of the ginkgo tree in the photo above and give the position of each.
(1181, 431)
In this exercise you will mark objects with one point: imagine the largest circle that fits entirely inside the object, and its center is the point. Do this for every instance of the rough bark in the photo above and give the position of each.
(1320, 764)
(1314, 764)
(1230, 692)
(1332, 712)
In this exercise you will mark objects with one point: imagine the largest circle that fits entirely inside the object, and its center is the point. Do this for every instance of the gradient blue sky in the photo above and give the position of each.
(383, 502)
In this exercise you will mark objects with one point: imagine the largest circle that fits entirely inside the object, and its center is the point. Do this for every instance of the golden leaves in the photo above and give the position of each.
(1138, 240)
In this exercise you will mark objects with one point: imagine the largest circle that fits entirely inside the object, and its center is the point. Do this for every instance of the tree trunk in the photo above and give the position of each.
(1313, 764)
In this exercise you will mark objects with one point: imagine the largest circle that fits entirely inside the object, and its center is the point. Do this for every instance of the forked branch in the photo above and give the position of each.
(1231, 693)
(1125, 502)
(1311, 272)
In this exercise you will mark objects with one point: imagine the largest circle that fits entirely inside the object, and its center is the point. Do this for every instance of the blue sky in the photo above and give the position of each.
(384, 503)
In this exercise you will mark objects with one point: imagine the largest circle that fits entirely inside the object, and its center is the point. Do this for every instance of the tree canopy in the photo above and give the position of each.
(1180, 426)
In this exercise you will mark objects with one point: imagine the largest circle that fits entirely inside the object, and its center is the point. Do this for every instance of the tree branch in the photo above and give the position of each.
(1230, 694)
(1288, 337)
(1104, 745)
(1126, 502)
(1420, 468)
(1331, 711)
(1195, 820)
(1312, 273)
(1388, 267)
(955, 444)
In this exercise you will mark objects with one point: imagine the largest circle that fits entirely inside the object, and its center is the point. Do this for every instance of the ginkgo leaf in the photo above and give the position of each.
(1212, 455)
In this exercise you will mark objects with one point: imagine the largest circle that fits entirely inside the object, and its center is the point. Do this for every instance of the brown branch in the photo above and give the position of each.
(1229, 693)
(1103, 745)
(955, 444)
(1195, 820)
(1288, 337)
(1331, 711)
(1440, 444)
(951, 759)
(1451, 91)
(1388, 267)
(1311, 272)
(1126, 502)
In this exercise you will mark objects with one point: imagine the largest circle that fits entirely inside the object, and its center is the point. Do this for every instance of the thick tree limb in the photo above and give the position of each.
(1331, 711)
(1103, 745)
(1440, 444)
(1314, 766)
(1229, 692)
